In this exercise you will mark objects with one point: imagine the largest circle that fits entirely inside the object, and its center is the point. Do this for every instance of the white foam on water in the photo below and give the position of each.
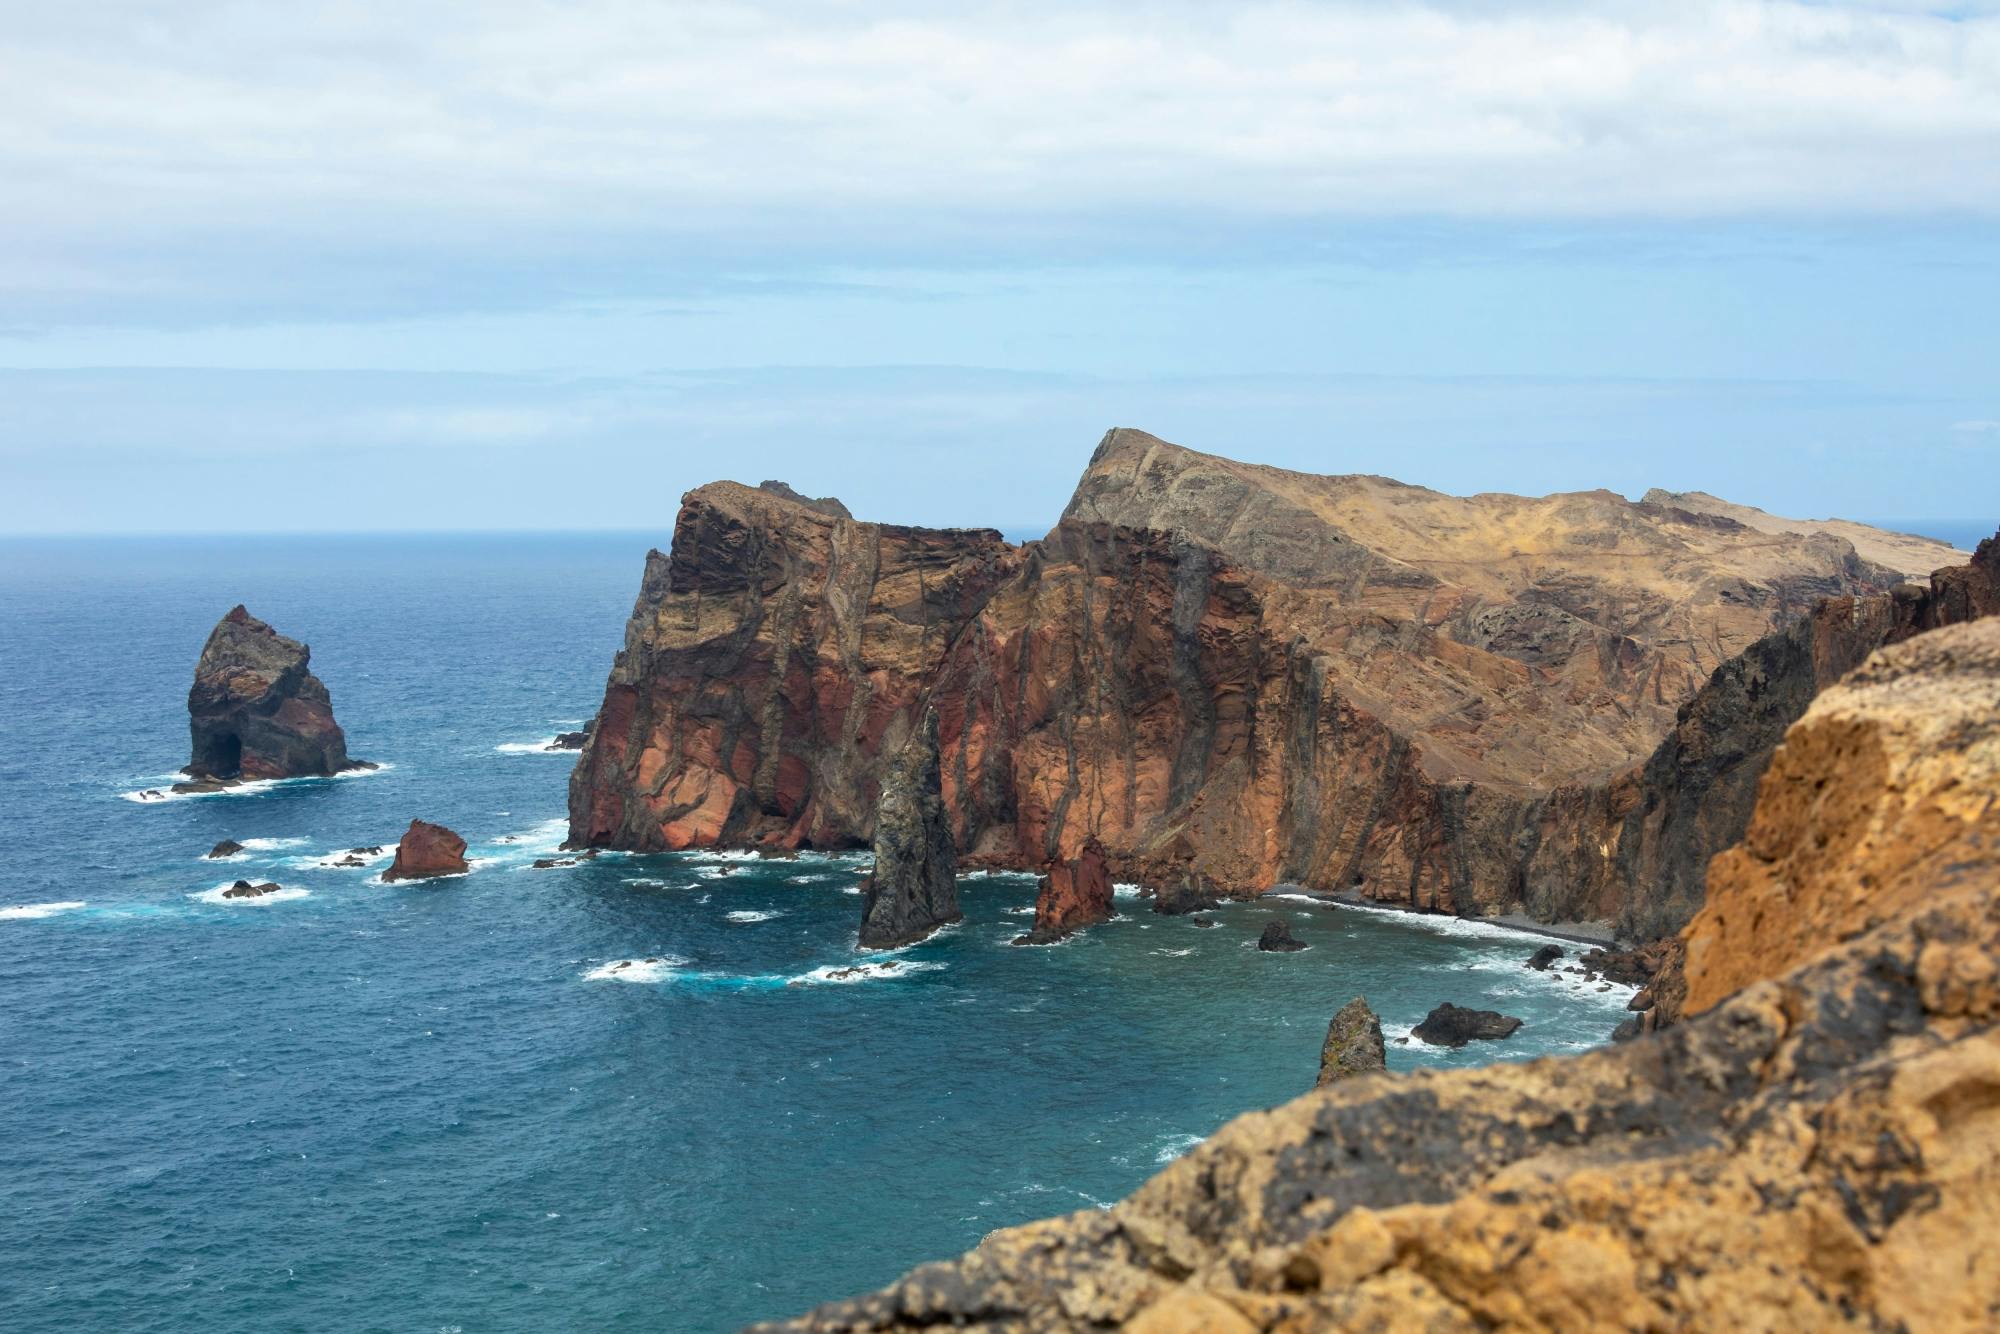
(724, 854)
(272, 844)
(282, 894)
(659, 969)
(34, 912)
(1444, 924)
(751, 915)
(837, 974)
(544, 746)
(1124, 891)
(1176, 954)
(1026, 911)
(162, 792)
(1177, 1146)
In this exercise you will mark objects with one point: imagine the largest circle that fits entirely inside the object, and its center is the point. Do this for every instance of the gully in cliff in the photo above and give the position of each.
(256, 712)
(913, 889)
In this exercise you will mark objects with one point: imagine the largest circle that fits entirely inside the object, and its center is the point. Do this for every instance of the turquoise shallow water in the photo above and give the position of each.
(391, 1107)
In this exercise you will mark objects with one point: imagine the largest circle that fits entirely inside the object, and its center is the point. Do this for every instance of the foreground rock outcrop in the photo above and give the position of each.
(913, 888)
(1353, 1044)
(1819, 1149)
(1073, 894)
(256, 711)
(426, 851)
(1221, 672)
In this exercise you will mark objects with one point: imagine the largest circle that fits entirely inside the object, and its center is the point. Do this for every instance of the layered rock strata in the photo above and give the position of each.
(256, 710)
(913, 888)
(426, 851)
(1225, 674)
(1816, 1150)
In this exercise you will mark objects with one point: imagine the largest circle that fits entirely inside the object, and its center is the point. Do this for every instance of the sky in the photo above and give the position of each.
(513, 265)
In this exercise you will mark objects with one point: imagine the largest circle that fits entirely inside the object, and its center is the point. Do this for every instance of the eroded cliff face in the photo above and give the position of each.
(1232, 674)
(1638, 847)
(1818, 1148)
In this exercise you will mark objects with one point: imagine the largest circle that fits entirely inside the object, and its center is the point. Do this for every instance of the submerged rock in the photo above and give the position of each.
(1353, 1043)
(1453, 1026)
(255, 710)
(913, 888)
(243, 889)
(1543, 957)
(228, 847)
(1278, 939)
(427, 850)
(1074, 894)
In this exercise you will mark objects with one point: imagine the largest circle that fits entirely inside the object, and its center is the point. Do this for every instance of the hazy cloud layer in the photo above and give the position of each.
(158, 157)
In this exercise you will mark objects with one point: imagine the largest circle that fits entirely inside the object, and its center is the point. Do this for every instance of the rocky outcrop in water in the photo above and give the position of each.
(1277, 938)
(1353, 1044)
(913, 888)
(244, 889)
(1218, 671)
(256, 711)
(570, 740)
(1453, 1026)
(228, 847)
(427, 850)
(1816, 1150)
(1542, 958)
(1073, 894)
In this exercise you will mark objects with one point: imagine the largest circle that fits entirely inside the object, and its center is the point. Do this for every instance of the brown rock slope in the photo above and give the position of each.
(1233, 673)
(1638, 846)
(1911, 556)
(1819, 1150)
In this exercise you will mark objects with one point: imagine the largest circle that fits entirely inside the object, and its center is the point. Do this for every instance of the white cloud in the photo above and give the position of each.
(379, 118)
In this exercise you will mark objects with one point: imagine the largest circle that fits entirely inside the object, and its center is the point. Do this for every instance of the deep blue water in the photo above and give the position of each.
(367, 1107)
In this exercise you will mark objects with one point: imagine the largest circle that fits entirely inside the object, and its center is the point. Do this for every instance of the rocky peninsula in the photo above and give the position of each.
(1227, 675)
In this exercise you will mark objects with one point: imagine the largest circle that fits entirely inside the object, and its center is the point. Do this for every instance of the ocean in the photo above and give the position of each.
(445, 1106)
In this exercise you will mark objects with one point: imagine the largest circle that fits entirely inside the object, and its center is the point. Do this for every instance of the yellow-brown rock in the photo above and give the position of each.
(1819, 1150)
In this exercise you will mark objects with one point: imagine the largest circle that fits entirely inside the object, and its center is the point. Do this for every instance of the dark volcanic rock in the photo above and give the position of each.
(570, 740)
(1183, 896)
(1074, 894)
(1278, 938)
(228, 847)
(243, 889)
(255, 711)
(913, 889)
(1353, 1043)
(1543, 957)
(427, 850)
(1453, 1026)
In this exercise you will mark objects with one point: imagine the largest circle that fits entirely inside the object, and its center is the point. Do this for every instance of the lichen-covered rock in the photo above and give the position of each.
(1237, 673)
(256, 711)
(1353, 1044)
(1075, 893)
(1451, 1025)
(1818, 1150)
(427, 850)
(913, 888)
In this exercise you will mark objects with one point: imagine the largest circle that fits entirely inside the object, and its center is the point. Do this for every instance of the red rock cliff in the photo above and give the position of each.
(1242, 673)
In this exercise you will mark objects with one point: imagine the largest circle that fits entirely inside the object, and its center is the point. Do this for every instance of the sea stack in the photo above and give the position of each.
(1453, 1026)
(913, 889)
(1353, 1044)
(256, 711)
(1074, 894)
(427, 850)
